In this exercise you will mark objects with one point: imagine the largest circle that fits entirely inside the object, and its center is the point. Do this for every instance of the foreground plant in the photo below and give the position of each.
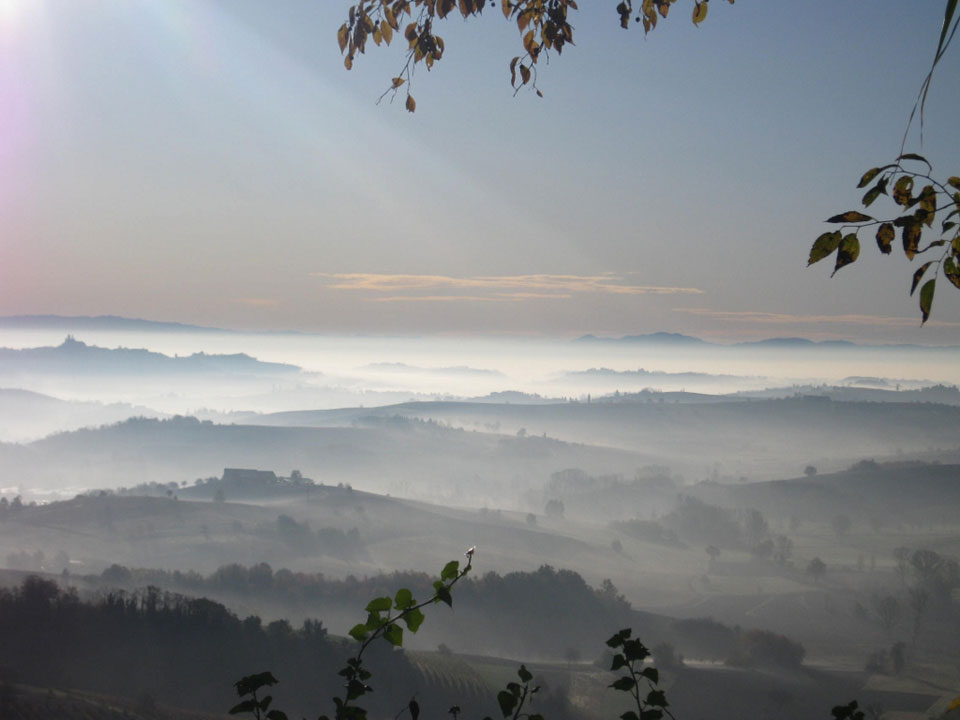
(924, 200)
(385, 615)
(384, 618)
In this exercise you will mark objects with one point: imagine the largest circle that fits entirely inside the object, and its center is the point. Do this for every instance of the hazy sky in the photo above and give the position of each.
(212, 162)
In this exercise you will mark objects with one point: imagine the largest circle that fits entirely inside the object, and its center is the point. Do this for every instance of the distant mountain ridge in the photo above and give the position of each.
(76, 357)
(99, 322)
(677, 339)
(74, 323)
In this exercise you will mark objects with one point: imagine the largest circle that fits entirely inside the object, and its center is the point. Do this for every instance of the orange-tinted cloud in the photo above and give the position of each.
(497, 287)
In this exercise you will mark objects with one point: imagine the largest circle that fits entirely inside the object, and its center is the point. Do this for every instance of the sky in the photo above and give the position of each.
(212, 162)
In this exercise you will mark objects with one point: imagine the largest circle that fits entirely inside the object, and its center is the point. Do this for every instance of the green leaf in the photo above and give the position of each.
(653, 714)
(394, 635)
(618, 662)
(620, 638)
(848, 252)
(252, 683)
(657, 698)
(276, 715)
(851, 216)
(450, 570)
(951, 271)
(414, 619)
(443, 595)
(954, 181)
(822, 247)
(928, 203)
(914, 156)
(918, 275)
(374, 621)
(868, 176)
(635, 650)
(651, 674)
(911, 238)
(403, 599)
(625, 683)
(356, 689)
(926, 298)
(871, 195)
(629, 715)
(359, 632)
(903, 191)
(245, 706)
(380, 604)
(507, 702)
(524, 674)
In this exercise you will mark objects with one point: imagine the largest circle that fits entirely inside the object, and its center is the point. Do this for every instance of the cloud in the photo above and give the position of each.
(755, 316)
(256, 302)
(437, 298)
(497, 287)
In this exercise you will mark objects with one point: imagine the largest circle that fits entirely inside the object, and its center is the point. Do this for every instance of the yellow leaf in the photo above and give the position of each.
(342, 35)
(398, 81)
(525, 74)
(699, 12)
(505, 6)
(377, 36)
(411, 104)
(386, 31)
(391, 19)
(348, 62)
(954, 704)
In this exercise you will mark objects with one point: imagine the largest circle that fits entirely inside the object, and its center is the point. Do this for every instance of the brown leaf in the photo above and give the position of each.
(411, 104)
(523, 19)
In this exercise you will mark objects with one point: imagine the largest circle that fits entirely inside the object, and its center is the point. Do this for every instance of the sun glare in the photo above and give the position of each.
(10, 10)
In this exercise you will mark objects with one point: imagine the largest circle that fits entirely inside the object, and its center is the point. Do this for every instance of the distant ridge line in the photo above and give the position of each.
(677, 339)
(98, 322)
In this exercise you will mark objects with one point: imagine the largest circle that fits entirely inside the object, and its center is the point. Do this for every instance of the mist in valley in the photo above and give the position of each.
(777, 518)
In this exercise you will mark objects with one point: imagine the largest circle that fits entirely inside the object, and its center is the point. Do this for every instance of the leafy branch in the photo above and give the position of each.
(543, 25)
(928, 202)
(381, 623)
(639, 681)
(515, 696)
(935, 199)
